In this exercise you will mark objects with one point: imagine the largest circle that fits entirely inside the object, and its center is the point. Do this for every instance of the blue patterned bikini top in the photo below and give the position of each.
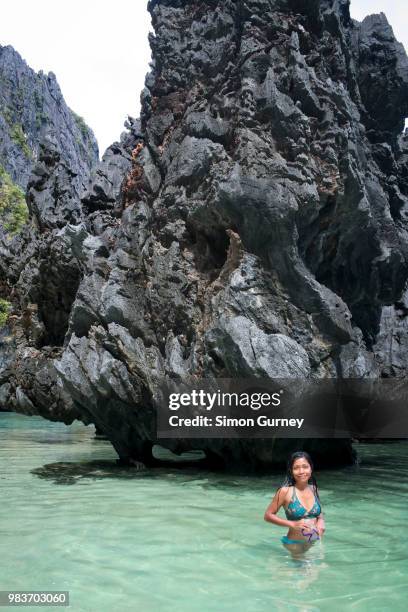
(296, 511)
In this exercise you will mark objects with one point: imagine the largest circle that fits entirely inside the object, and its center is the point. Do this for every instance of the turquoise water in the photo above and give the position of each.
(184, 540)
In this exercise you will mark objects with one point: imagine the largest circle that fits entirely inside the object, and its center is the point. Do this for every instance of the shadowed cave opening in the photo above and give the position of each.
(55, 300)
(210, 249)
(160, 453)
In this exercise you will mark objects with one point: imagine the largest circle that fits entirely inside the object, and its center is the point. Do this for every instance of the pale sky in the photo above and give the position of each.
(100, 53)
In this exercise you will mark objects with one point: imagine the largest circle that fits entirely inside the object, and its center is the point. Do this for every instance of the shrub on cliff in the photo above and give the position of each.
(20, 139)
(13, 208)
(4, 311)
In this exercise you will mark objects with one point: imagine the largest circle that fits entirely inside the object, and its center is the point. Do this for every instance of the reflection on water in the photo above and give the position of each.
(65, 472)
(188, 540)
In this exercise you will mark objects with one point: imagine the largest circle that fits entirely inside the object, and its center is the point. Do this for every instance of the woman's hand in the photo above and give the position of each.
(301, 525)
(320, 528)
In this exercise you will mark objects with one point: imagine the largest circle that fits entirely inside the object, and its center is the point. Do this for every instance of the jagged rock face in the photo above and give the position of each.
(39, 136)
(40, 276)
(253, 223)
(32, 105)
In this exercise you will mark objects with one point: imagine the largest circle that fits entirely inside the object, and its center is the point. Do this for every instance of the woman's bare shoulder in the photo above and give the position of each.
(283, 492)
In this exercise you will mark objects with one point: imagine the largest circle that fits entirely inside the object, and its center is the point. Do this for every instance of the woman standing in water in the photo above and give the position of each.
(300, 498)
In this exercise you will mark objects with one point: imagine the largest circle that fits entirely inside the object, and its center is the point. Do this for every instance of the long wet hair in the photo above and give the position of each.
(289, 479)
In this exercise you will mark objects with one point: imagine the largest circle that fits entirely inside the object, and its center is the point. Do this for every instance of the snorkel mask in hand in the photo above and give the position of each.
(312, 535)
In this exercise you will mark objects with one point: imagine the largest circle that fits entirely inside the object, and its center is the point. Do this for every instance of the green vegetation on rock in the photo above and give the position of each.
(40, 116)
(8, 115)
(5, 308)
(13, 207)
(40, 119)
(16, 131)
(81, 125)
(38, 100)
(18, 136)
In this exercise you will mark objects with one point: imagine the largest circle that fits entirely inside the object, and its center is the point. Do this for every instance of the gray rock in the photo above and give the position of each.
(250, 224)
(52, 198)
(32, 106)
(190, 161)
(248, 352)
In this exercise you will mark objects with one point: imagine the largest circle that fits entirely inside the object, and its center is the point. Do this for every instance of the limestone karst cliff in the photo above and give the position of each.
(32, 109)
(46, 146)
(31, 105)
(251, 223)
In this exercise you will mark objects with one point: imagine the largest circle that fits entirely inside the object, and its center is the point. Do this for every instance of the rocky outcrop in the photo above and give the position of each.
(32, 106)
(39, 279)
(42, 138)
(252, 223)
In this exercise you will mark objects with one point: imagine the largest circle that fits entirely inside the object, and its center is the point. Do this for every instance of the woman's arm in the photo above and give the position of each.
(320, 524)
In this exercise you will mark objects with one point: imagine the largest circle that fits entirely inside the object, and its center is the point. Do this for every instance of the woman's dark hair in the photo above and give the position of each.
(289, 479)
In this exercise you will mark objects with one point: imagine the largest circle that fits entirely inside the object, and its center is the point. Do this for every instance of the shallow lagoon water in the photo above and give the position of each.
(171, 539)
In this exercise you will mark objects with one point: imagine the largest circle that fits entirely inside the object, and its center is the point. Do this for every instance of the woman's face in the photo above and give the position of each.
(301, 470)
